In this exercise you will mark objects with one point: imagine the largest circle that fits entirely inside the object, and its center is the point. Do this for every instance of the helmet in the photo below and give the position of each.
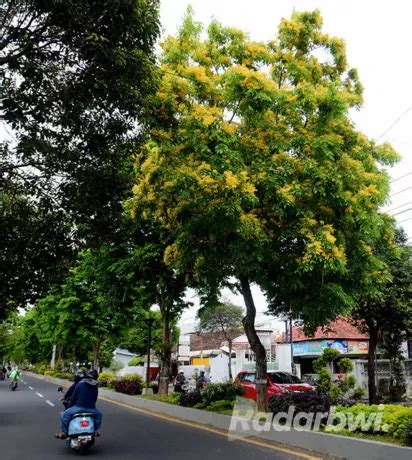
(93, 374)
(79, 376)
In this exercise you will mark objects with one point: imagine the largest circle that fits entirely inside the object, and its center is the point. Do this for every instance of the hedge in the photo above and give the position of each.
(130, 384)
(396, 419)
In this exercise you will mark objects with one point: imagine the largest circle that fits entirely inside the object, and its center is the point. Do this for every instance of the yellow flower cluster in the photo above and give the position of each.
(231, 179)
(206, 115)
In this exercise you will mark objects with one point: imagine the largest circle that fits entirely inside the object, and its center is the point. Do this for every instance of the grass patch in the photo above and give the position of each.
(370, 437)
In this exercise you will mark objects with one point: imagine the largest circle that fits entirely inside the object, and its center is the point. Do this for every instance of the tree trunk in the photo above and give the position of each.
(256, 345)
(74, 359)
(166, 357)
(96, 355)
(230, 360)
(60, 356)
(373, 340)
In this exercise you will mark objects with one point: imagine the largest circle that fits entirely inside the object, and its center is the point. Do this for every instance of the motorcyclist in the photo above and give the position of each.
(202, 381)
(14, 374)
(67, 398)
(179, 382)
(83, 399)
(3, 373)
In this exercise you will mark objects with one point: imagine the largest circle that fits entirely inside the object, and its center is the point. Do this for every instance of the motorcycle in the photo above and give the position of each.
(2, 375)
(81, 435)
(13, 385)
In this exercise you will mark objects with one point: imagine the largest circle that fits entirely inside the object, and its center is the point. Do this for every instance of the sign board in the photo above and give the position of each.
(316, 347)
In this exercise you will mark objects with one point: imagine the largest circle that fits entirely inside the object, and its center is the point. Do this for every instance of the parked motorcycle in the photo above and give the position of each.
(81, 435)
(2, 375)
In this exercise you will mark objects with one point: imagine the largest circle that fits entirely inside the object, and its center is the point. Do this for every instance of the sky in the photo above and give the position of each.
(378, 37)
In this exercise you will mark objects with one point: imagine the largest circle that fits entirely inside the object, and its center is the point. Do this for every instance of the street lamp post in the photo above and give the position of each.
(149, 322)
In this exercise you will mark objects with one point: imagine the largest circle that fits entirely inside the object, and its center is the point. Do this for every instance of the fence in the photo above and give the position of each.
(383, 374)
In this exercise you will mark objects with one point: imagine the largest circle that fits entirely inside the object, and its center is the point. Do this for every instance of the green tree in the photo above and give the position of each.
(92, 305)
(158, 283)
(384, 310)
(25, 342)
(74, 78)
(37, 249)
(255, 168)
(225, 318)
(4, 342)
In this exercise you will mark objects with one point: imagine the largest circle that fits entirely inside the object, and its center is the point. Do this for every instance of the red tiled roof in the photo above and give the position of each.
(341, 328)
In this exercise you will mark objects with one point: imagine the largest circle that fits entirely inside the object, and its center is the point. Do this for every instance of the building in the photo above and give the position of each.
(210, 352)
(341, 335)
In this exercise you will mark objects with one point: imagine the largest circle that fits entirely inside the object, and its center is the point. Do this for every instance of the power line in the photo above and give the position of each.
(401, 212)
(401, 177)
(395, 122)
(401, 191)
(405, 220)
(398, 207)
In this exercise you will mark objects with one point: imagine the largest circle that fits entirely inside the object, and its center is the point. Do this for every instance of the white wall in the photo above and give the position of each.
(141, 370)
(283, 357)
(219, 368)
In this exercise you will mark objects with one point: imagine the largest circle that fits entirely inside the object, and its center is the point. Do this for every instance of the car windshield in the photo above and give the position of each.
(280, 377)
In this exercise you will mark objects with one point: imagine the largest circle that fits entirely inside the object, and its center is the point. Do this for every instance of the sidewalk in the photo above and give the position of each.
(327, 446)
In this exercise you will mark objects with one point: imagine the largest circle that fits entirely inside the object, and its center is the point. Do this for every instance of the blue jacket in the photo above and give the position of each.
(69, 395)
(85, 394)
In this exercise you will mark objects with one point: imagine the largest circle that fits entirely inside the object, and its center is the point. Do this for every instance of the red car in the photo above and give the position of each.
(279, 383)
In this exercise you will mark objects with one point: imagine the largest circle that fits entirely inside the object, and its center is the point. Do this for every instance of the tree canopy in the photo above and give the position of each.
(74, 81)
(255, 167)
(384, 308)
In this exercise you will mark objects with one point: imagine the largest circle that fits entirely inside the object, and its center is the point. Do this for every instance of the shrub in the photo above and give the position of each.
(172, 398)
(303, 402)
(221, 392)
(128, 384)
(59, 374)
(106, 379)
(408, 432)
(190, 399)
(395, 418)
(218, 406)
(64, 375)
(116, 366)
(135, 361)
(39, 368)
(335, 390)
(345, 365)
(359, 393)
(325, 380)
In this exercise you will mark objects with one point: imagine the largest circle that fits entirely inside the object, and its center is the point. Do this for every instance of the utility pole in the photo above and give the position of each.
(292, 364)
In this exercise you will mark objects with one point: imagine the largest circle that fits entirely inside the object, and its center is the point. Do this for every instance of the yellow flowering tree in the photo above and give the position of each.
(256, 169)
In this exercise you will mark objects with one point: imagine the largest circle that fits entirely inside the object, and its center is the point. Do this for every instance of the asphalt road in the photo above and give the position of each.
(29, 417)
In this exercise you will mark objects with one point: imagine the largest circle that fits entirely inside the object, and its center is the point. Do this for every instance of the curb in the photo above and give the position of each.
(316, 443)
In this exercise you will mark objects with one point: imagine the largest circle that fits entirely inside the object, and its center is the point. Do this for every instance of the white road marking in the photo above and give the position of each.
(39, 395)
(31, 388)
(49, 403)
